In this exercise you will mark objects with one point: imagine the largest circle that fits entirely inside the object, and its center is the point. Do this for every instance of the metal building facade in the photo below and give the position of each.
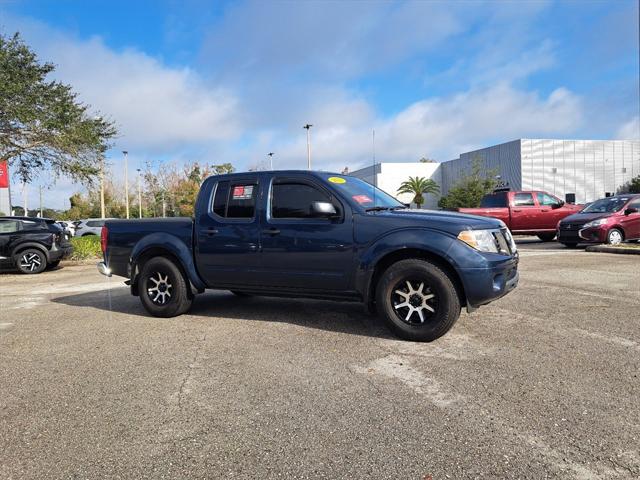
(589, 169)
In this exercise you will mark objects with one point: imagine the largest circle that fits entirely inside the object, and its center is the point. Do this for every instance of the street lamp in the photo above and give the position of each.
(270, 154)
(102, 208)
(308, 128)
(126, 182)
(139, 194)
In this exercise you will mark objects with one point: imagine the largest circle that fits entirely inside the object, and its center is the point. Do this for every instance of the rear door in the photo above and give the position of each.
(300, 250)
(525, 212)
(227, 232)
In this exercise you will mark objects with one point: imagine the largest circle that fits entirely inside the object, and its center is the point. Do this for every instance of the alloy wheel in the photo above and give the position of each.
(413, 301)
(159, 288)
(30, 261)
(615, 237)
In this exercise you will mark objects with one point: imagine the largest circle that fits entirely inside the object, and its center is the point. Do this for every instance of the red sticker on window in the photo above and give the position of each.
(238, 191)
(362, 199)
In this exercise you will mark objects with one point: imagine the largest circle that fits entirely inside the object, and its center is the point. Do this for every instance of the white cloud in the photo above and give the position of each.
(157, 107)
(630, 130)
(441, 128)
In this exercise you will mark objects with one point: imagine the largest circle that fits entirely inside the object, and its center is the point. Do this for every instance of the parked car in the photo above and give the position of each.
(609, 220)
(525, 212)
(68, 228)
(319, 235)
(90, 226)
(31, 244)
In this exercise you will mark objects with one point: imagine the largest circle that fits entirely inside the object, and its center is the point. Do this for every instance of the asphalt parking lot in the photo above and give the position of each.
(543, 383)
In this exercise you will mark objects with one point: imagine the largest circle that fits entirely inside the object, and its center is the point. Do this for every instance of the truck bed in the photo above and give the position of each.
(123, 235)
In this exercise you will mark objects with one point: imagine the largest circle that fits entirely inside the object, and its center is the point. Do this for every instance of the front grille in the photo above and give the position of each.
(504, 242)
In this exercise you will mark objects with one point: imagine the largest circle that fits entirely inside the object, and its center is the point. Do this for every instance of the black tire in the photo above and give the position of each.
(615, 236)
(52, 265)
(547, 237)
(405, 321)
(30, 261)
(238, 293)
(570, 244)
(163, 289)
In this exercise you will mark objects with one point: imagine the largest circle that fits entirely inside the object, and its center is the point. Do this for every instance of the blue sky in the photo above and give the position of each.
(231, 81)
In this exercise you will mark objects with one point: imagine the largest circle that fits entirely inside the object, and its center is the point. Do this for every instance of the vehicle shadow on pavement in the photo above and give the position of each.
(341, 317)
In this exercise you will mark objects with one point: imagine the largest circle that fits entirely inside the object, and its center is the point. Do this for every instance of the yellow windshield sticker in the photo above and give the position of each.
(337, 180)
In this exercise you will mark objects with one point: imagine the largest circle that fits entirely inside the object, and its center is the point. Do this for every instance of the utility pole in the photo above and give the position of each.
(102, 208)
(24, 201)
(270, 154)
(164, 206)
(126, 182)
(308, 128)
(139, 195)
(40, 201)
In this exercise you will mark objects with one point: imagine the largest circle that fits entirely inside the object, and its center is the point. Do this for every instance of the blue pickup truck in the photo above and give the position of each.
(316, 235)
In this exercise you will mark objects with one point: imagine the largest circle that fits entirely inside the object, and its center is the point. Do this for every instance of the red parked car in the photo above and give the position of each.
(525, 213)
(609, 220)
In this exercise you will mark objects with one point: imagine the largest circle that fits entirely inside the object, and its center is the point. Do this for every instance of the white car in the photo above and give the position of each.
(90, 226)
(68, 228)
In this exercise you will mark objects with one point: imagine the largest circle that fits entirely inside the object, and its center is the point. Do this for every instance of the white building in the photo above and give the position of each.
(389, 176)
(579, 171)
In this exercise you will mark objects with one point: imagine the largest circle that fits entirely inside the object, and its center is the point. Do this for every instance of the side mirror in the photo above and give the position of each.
(557, 205)
(630, 210)
(323, 210)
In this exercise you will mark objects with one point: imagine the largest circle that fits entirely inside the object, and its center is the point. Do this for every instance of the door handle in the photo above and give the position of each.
(210, 231)
(545, 210)
(271, 231)
(517, 210)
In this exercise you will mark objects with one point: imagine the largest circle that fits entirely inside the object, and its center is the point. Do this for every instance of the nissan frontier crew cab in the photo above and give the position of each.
(316, 235)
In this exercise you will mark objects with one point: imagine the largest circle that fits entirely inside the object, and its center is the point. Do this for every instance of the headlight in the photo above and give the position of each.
(595, 223)
(482, 240)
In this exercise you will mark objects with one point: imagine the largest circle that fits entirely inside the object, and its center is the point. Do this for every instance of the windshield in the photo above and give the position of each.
(606, 205)
(363, 193)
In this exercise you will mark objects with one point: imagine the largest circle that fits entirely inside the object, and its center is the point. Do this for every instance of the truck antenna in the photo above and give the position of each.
(375, 177)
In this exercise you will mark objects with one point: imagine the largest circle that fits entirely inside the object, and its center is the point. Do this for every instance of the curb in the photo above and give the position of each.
(620, 250)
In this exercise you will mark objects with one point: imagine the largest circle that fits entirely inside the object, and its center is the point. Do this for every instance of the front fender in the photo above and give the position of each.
(171, 244)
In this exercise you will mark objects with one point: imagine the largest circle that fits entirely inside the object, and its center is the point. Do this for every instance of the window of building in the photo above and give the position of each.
(523, 200)
(547, 200)
(495, 200)
(294, 200)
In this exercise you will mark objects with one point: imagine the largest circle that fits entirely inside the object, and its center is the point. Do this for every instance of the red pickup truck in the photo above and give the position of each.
(525, 213)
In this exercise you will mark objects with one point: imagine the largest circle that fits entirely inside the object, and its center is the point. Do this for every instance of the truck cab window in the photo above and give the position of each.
(235, 200)
(293, 200)
(547, 200)
(494, 200)
(523, 200)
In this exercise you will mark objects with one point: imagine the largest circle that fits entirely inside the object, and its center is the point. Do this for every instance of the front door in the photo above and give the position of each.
(631, 223)
(551, 211)
(228, 233)
(299, 249)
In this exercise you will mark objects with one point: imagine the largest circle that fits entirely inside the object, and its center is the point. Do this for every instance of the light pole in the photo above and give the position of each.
(102, 208)
(270, 154)
(126, 182)
(139, 195)
(308, 128)
(40, 201)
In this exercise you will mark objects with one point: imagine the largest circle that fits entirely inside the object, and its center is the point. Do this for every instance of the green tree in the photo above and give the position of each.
(632, 186)
(42, 123)
(418, 187)
(469, 190)
(222, 169)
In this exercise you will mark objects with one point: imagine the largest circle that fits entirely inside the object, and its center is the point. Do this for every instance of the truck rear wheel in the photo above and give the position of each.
(417, 300)
(163, 289)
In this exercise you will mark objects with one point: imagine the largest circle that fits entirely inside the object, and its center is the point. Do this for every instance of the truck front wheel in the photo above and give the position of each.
(418, 300)
(163, 289)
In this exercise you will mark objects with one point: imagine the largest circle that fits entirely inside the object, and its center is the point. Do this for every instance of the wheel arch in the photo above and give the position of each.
(392, 257)
(26, 245)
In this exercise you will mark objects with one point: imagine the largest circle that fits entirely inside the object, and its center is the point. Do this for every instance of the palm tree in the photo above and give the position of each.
(418, 186)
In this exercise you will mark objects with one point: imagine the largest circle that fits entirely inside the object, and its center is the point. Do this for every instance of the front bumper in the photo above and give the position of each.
(484, 285)
(577, 234)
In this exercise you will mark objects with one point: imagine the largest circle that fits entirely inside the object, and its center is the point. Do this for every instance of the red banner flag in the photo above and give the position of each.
(4, 174)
